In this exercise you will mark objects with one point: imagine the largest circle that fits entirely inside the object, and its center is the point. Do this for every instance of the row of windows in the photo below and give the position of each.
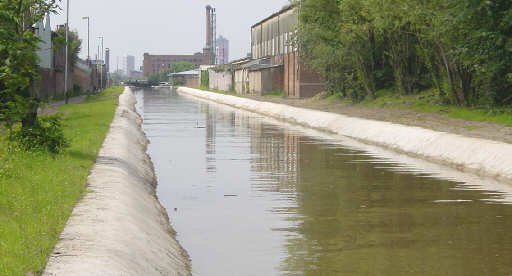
(275, 46)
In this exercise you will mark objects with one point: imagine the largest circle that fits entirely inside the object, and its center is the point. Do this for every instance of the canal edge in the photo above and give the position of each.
(482, 157)
(120, 227)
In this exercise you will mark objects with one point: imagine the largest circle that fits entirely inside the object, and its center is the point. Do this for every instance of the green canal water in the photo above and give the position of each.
(249, 195)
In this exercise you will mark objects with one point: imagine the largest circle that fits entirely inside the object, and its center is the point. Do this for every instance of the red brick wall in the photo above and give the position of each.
(300, 81)
(311, 83)
(192, 81)
(82, 79)
(46, 84)
(277, 79)
(290, 76)
(158, 63)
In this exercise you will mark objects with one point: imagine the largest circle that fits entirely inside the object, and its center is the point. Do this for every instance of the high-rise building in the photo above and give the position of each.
(130, 64)
(222, 50)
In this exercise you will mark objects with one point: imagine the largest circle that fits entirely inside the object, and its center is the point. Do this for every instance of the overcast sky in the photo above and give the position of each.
(133, 27)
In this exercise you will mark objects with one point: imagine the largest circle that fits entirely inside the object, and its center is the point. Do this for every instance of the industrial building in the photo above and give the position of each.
(271, 39)
(158, 63)
(274, 63)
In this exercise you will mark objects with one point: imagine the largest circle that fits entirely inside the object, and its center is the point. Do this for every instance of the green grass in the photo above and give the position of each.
(38, 191)
(275, 94)
(426, 101)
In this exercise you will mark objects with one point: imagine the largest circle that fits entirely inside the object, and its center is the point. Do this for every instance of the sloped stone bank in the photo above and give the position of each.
(119, 227)
(481, 156)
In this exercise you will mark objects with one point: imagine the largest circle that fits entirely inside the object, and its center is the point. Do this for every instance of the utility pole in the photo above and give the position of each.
(88, 37)
(67, 47)
(107, 66)
(101, 64)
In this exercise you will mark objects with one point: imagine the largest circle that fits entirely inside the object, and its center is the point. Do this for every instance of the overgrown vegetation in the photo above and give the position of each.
(276, 93)
(46, 135)
(38, 189)
(176, 67)
(18, 59)
(461, 50)
(205, 79)
(74, 44)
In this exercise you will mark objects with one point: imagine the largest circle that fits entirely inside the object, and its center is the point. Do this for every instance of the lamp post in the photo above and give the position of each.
(67, 47)
(107, 67)
(88, 29)
(101, 64)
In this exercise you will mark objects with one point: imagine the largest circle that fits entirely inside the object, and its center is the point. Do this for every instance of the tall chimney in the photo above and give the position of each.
(208, 27)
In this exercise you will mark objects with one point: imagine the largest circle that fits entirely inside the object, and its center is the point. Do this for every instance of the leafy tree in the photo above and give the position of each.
(175, 67)
(74, 44)
(18, 60)
(462, 49)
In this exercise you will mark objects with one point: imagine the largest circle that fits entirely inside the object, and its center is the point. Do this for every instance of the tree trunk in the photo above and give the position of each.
(30, 115)
(449, 72)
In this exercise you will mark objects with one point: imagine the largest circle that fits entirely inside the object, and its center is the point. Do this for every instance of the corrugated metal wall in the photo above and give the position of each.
(274, 36)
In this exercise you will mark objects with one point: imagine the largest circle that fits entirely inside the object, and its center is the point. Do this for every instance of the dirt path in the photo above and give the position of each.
(53, 107)
(433, 121)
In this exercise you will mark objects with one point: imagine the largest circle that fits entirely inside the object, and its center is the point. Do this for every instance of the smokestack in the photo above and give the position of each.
(208, 27)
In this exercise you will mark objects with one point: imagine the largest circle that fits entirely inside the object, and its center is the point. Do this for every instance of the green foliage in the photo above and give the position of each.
(276, 93)
(205, 79)
(176, 67)
(463, 49)
(18, 59)
(46, 135)
(38, 190)
(74, 44)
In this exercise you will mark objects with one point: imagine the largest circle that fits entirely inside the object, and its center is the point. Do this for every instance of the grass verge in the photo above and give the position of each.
(426, 101)
(38, 190)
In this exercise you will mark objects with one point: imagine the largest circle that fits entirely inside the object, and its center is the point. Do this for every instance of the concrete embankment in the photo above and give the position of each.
(119, 227)
(484, 157)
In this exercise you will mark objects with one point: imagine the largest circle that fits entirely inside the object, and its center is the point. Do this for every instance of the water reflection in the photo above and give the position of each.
(259, 197)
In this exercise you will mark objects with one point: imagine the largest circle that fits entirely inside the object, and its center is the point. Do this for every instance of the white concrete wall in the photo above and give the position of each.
(485, 157)
(119, 227)
(45, 51)
(220, 80)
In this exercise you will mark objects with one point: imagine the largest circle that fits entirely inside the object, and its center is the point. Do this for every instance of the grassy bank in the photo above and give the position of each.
(38, 191)
(427, 102)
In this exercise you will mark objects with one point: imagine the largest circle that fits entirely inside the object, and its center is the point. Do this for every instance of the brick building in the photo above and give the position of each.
(272, 38)
(158, 63)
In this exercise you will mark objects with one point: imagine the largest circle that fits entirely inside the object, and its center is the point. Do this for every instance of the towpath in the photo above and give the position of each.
(433, 121)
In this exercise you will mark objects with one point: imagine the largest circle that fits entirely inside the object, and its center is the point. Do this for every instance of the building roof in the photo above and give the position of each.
(283, 10)
(186, 73)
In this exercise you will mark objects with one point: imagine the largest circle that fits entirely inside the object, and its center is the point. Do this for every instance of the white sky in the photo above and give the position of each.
(133, 27)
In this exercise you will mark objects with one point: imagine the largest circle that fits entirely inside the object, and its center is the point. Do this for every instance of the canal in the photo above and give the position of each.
(249, 195)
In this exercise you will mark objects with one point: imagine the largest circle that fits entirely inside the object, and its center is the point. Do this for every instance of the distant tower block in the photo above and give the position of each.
(222, 50)
(130, 64)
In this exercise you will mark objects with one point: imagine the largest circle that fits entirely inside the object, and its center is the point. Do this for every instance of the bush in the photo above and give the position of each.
(46, 134)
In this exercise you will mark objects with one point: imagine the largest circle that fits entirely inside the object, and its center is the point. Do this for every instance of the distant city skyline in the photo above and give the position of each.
(132, 27)
(130, 64)
(222, 50)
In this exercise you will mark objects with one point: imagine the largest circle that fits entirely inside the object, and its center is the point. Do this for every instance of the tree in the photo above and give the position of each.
(74, 44)
(462, 49)
(176, 67)
(18, 59)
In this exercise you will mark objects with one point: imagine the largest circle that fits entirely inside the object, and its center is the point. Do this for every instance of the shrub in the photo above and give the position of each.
(46, 135)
